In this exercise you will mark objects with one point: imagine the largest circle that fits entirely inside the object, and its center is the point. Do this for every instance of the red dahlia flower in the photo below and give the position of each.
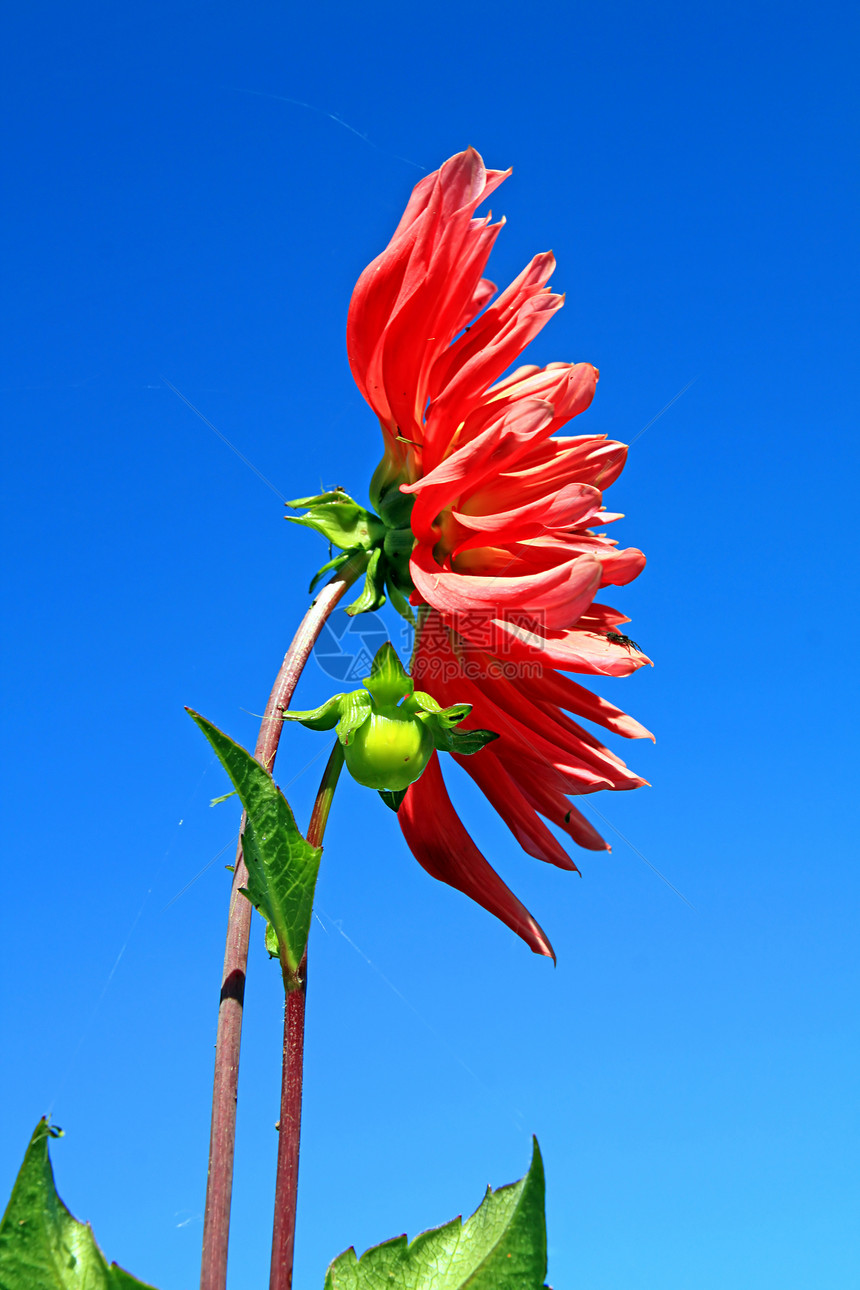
(497, 514)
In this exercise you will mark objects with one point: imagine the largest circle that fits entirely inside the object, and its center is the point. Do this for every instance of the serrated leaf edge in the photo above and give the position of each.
(535, 1167)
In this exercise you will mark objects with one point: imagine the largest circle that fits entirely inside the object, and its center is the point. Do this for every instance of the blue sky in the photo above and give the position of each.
(193, 191)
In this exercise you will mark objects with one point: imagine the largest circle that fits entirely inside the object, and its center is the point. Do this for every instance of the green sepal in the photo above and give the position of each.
(452, 716)
(421, 701)
(325, 717)
(393, 798)
(389, 682)
(372, 595)
(398, 544)
(355, 530)
(332, 495)
(340, 520)
(282, 865)
(394, 507)
(355, 709)
(441, 721)
(501, 1247)
(42, 1245)
(398, 599)
(328, 568)
(466, 742)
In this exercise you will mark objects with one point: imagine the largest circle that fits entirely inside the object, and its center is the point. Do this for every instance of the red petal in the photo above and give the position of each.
(546, 721)
(560, 595)
(501, 333)
(558, 809)
(436, 837)
(481, 296)
(564, 768)
(501, 791)
(566, 506)
(509, 434)
(553, 687)
(409, 302)
(572, 651)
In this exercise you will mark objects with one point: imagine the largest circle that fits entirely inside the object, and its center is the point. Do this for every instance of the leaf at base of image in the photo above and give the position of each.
(282, 865)
(501, 1247)
(42, 1246)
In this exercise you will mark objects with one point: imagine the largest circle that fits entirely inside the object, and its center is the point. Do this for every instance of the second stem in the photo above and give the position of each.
(286, 1185)
(216, 1225)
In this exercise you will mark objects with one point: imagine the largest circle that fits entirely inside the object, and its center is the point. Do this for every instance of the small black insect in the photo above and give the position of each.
(618, 639)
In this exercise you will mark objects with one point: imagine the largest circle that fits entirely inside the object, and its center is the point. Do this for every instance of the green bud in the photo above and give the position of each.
(389, 730)
(388, 681)
(390, 750)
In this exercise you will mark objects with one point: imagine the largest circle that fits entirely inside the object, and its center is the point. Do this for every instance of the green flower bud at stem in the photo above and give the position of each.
(389, 750)
(389, 730)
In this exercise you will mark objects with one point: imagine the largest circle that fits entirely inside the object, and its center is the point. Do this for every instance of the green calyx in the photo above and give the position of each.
(387, 540)
(389, 730)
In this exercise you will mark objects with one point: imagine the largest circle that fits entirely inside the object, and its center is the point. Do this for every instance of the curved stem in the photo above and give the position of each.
(290, 1124)
(219, 1187)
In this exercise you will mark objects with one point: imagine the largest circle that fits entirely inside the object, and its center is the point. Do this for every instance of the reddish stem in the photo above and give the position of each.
(287, 1182)
(216, 1224)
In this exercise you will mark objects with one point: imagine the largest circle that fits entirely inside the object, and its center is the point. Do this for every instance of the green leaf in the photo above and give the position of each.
(282, 866)
(355, 709)
(271, 942)
(393, 798)
(324, 717)
(389, 682)
(225, 797)
(501, 1247)
(42, 1246)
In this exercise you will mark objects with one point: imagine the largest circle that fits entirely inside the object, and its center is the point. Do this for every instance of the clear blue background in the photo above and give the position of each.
(192, 191)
